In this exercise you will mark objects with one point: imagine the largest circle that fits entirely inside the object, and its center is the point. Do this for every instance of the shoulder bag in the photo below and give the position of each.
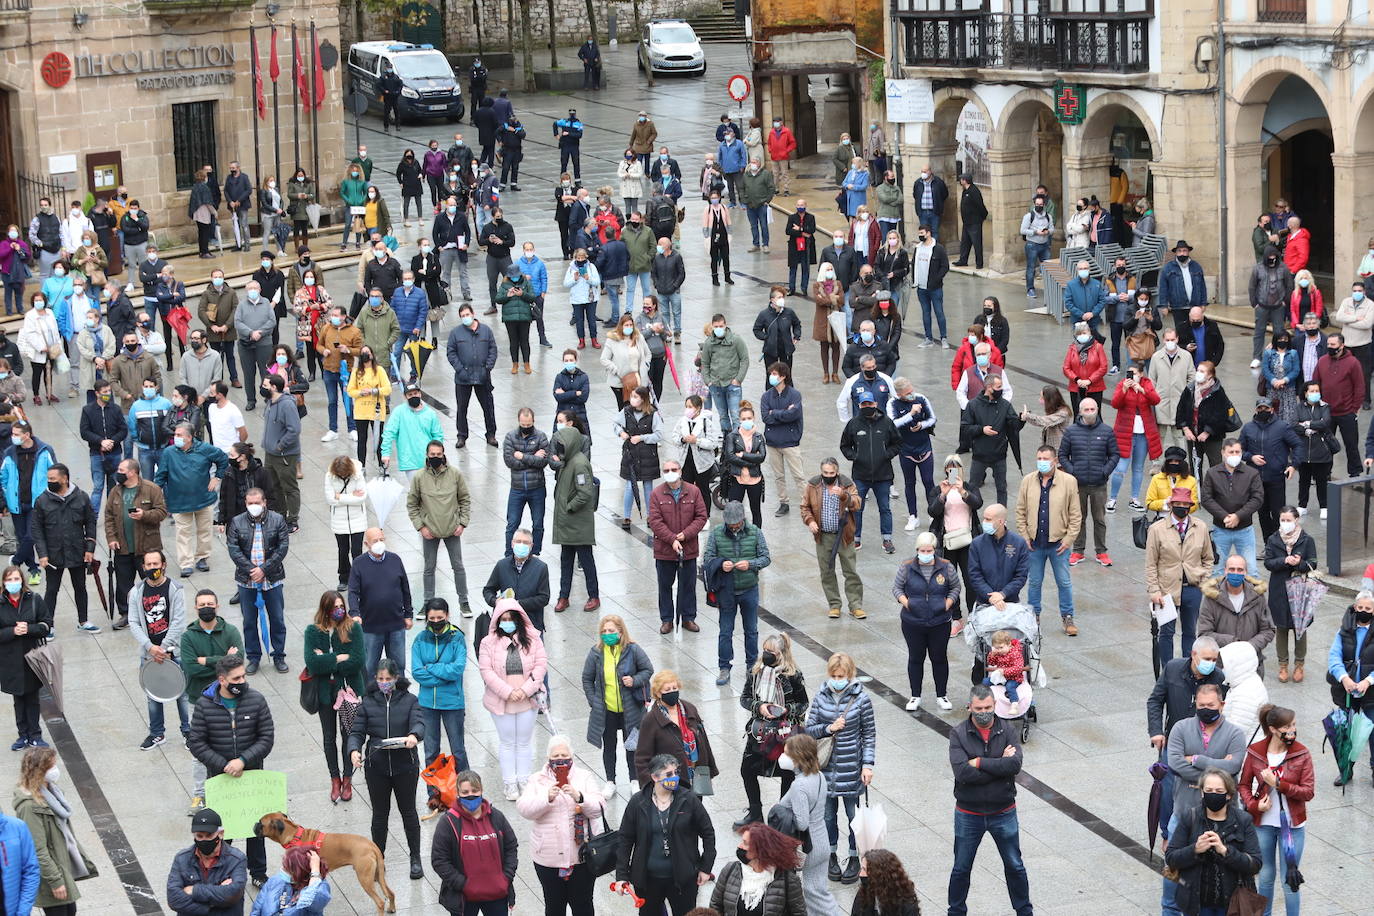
(1140, 528)
(825, 747)
(599, 851)
(310, 694)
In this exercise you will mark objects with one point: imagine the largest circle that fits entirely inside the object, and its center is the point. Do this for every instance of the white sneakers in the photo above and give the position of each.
(913, 704)
(353, 434)
(329, 436)
(910, 523)
(608, 790)
(944, 703)
(1254, 364)
(1323, 515)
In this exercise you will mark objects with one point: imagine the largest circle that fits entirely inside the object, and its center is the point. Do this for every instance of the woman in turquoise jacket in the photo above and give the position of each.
(438, 657)
(353, 190)
(334, 659)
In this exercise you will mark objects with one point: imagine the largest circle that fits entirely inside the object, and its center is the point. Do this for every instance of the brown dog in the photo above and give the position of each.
(336, 850)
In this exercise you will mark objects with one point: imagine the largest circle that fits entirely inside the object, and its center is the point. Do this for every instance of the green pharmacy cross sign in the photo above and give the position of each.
(1070, 103)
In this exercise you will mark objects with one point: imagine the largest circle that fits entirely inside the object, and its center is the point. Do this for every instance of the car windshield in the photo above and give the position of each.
(672, 34)
(426, 65)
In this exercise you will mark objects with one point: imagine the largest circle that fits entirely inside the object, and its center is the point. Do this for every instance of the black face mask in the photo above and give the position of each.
(436, 461)
(871, 413)
(1180, 511)
(1121, 271)
(207, 847)
(994, 394)
(1271, 261)
(987, 310)
(1313, 332)
(1208, 716)
(266, 391)
(870, 374)
(1215, 801)
(830, 481)
(769, 659)
(741, 855)
(54, 486)
(206, 614)
(121, 478)
(438, 626)
(669, 697)
(236, 690)
(1364, 618)
(1196, 324)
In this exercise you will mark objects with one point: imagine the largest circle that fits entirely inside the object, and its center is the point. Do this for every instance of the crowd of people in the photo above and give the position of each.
(166, 439)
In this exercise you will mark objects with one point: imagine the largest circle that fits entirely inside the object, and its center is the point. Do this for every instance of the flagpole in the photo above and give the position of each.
(295, 111)
(257, 76)
(276, 115)
(314, 95)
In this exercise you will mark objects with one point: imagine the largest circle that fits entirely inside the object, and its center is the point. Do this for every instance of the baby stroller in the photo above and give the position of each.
(1020, 621)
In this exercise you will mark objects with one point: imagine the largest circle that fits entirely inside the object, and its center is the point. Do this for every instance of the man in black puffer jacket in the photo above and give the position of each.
(987, 428)
(871, 441)
(985, 755)
(233, 736)
(1089, 452)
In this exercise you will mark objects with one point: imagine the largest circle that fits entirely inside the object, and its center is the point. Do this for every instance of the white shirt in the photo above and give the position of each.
(1270, 818)
(1236, 600)
(922, 266)
(224, 424)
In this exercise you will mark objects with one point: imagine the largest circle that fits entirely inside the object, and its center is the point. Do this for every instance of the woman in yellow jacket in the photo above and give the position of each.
(1174, 473)
(369, 389)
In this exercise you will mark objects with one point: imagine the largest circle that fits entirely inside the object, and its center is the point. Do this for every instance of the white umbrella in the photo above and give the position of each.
(869, 826)
(384, 493)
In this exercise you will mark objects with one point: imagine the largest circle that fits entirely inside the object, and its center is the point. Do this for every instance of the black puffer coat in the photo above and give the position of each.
(393, 715)
(63, 528)
(235, 485)
(782, 897)
(638, 461)
(219, 734)
(275, 543)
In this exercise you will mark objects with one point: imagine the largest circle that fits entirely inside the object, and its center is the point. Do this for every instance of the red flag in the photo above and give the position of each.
(258, 96)
(319, 71)
(274, 66)
(298, 71)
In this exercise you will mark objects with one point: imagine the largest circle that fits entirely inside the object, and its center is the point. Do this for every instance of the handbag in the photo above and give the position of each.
(62, 364)
(310, 694)
(1246, 902)
(1140, 529)
(825, 747)
(98, 277)
(599, 851)
(701, 781)
(54, 351)
(958, 539)
(1142, 346)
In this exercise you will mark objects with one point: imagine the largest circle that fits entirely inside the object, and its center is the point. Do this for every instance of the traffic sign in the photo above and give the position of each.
(738, 87)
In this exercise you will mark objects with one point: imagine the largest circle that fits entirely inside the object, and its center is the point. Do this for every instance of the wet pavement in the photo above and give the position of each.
(1084, 786)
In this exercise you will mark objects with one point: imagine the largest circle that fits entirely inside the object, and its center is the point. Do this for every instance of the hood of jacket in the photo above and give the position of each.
(570, 439)
(1212, 587)
(508, 604)
(1239, 662)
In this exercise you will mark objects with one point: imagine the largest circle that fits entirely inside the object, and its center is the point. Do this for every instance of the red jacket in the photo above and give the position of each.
(1127, 404)
(963, 358)
(1297, 780)
(1012, 662)
(781, 143)
(1342, 382)
(1094, 370)
(1297, 250)
(1295, 313)
(669, 517)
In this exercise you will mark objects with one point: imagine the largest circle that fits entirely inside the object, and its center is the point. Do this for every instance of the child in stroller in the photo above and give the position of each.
(1007, 664)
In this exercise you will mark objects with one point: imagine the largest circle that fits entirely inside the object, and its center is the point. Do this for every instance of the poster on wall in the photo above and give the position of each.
(971, 139)
(910, 101)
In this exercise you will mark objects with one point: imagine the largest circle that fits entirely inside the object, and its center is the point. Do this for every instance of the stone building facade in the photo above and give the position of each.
(138, 94)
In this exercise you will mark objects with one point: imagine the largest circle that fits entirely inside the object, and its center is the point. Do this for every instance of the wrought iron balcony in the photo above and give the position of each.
(1283, 11)
(1099, 42)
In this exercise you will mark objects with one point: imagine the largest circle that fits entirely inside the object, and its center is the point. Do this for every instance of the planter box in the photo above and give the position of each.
(564, 79)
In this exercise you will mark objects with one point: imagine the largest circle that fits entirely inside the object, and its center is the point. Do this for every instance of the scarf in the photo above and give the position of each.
(1084, 350)
(58, 803)
(753, 885)
(1290, 540)
(768, 687)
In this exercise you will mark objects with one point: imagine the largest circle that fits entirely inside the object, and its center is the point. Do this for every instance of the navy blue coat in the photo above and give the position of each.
(916, 431)
(998, 566)
(782, 417)
(926, 595)
(1089, 453)
(1172, 295)
(577, 388)
(613, 260)
(1275, 442)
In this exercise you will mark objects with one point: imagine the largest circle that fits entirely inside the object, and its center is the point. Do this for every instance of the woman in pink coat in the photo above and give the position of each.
(564, 806)
(513, 665)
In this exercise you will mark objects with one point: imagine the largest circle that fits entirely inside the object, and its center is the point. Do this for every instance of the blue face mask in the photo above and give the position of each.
(1357, 296)
(471, 805)
(719, 332)
(13, 587)
(982, 359)
(989, 528)
(670, 782)
(925, 559)
(374, 301)
(1314, 397)
(17, 440)
(746, 424)
(1044, 465)
(507, 626)
(1206, 667)
(570, 367)
(1235, 580)
(386, 686)
(520, 550)
(838, 683)
(866, 336)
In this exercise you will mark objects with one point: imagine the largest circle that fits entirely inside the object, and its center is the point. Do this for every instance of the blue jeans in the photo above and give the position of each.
(931, 218)
(792, 270)
(272, 601)
(1242, 539)
(101, 481)
(1271, 857)
(1139, 452)
(647, 487)
(1035, 253)
(645, 289)
(968, 835)
(395, 645)
(724, 400)
(14, 298)
(932, 300)
(832, 820)
(24, 535)
(483, 218)
(746, 603)
(157, 721)
(672, 311)
(882, 495)
(147, 461)
(584, 314)
(452, 721)
(1009, 687)
(1189, 604)
(1169, 889)
(1059, 562)
(612, 288)
(758, 223)
(333, 388)
(516, 501)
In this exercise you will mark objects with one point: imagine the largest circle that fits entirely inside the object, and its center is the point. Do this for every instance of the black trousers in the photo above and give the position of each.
(389, 114)
(683, 574)
(720, 257)
(581, 553)
(539, 319)
(329, 731)
(751, 767)
(348, 546)
(972, 237)
(615, 722)
(171, 337)
(754, 493)
(661, 894)
(923, 642)
(562, 894)
(54, 586)
(205, 234)
(1349, 427)
(1275, 497)
(225, 348)
(436, 189)
(62, 909)
(1313, 475)
(573, 154)
(364, 431)
(702, 480)
(519, 334)
(26, 720)
(656, 366)
(510, 168)
(483, 392)
(255, 847)
(381, 787)
(126, 567)
(488, 156)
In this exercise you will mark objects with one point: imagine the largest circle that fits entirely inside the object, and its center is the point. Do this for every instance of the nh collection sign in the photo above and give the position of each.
(165, 68)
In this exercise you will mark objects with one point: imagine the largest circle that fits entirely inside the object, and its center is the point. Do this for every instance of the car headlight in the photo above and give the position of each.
(456, 90)
(409, 93)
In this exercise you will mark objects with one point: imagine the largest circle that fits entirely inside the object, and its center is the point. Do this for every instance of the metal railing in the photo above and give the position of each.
(1282, 11)
(14, 6)
(1116, 43)
(1335, 491)
(32, 189)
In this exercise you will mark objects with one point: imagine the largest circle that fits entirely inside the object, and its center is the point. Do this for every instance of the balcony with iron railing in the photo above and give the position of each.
(1056, 39)
(1282, 11)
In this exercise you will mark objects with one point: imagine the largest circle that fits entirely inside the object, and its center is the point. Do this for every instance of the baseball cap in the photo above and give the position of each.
(412, 386)
(206, 820)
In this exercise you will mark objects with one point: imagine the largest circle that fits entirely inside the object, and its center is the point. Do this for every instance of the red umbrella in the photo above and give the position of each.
(672, 366)
(180, 320)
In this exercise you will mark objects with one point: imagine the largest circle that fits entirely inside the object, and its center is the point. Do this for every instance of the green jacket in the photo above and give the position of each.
(353, 192)
(408, 433)
(379, 331)
(724, 358)
(889, 201)
(366, 163)
(643, 247)
(54, 860)
(517, 299)
(574, 493)
(841, 157)
(439, 500)
(214, 645)
(328, 673)
(299, 195)
(757, 190)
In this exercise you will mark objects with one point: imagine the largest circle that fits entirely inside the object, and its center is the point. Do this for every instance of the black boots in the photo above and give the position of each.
(834, 873)
(416, 872)
(851, 871)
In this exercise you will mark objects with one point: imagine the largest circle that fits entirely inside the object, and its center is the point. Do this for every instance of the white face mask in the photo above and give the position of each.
(1171, 345)
(671, 476)
(54, 774)
(1200, 376)
(785, 762)
(1287, 527)
(255, 509)
(1232, 461)
(378, 548)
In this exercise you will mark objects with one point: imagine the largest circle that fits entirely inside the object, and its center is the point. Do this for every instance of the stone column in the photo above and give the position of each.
(835, 111)
(1244, 198)
(1354, 173)
(1007, 197)
(1084, 176)
(940, 156)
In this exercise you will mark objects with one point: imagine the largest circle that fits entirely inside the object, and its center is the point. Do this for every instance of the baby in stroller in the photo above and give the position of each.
(1006, 662)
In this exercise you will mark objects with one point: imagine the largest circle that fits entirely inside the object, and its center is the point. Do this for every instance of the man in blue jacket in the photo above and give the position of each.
(998, 560)
(411, 305)
(733, 158)
(1085, 297)
(23, 478)
(1271, 446)
(1089, 453)
(189, 475)
(568, 132)
(209, 876)
(532, 266)
(20, 875)
(1182, 286)
(437, 659)
(471, 352)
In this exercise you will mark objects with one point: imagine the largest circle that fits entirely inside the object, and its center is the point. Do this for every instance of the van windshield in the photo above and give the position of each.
(673, 34)
(426, 65)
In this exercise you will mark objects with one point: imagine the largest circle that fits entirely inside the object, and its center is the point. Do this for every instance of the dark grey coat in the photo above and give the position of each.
(63, 528)
(783, 896)
(634, 662)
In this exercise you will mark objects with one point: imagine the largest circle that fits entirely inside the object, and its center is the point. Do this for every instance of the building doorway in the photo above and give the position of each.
(1305, 173)
(9, 166)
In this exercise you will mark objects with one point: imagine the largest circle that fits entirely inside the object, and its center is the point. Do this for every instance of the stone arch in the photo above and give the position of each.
(1362, 129)
(1092, 137)
(949, 102)
(1245, 116)
(1019, 116)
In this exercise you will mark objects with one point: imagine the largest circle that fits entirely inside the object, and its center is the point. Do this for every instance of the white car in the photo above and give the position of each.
(670, 46)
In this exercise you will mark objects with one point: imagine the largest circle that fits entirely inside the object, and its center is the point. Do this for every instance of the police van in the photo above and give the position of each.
(428, 87)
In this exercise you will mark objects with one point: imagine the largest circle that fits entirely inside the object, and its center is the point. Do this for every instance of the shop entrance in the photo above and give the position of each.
(9, 168)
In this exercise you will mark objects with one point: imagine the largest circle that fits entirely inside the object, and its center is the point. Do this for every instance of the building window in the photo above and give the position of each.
(193, 140)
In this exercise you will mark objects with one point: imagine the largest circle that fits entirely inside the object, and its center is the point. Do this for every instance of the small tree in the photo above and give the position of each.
(591, 20)
(394, 12)
(527, 45)
(553, 40)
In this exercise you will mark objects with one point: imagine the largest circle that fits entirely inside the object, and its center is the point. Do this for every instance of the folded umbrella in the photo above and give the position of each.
(94, 568)
(46, 662)
(180, 320)
(869, 826)
(1304, 594)
(1291, 875)
(1157, 773)
(672, 367)
(1348, 731)
(420, 350)
(383, 492)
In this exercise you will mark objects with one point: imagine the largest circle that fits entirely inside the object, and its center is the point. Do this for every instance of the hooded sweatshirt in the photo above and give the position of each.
(496, 656)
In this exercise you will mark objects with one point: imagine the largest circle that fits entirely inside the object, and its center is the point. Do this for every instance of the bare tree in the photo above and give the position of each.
(553, 40)
(526, 45)
(591, 19)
